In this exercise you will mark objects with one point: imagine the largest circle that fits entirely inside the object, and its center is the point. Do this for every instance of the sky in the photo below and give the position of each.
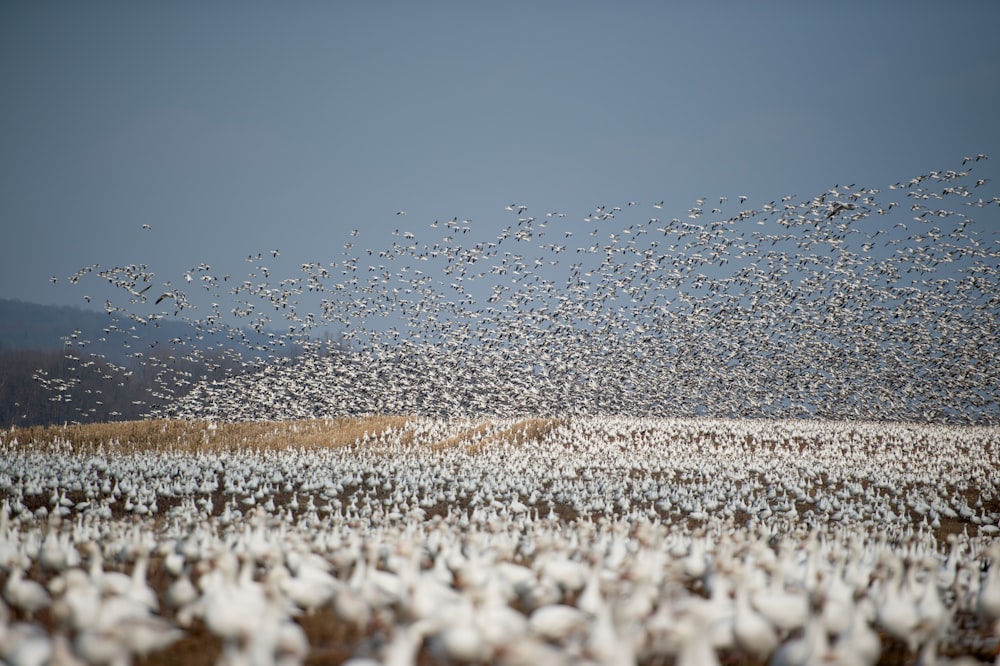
(232, 128)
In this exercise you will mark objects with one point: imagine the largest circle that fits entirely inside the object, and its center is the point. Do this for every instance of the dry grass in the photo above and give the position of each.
(476, 438)
(468, 436)
(526, 430)
(183, 436)
(191, 436)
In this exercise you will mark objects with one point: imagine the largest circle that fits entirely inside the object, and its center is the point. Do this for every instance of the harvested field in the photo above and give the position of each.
(580, 540)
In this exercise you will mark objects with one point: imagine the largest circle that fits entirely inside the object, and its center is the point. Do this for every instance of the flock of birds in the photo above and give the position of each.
(587, 540)
(857, 303)
(772, 439)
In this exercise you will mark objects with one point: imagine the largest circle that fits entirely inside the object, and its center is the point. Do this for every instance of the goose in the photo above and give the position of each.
(24, 594)
(837, 598)
(351, 608)
(752, 633)
(784, 609)
(24, 643)
(858, 643)
(457, 635)
(897, 611)
(693, 637)
(695, 563)
(497, 621)
(140, 634)
(139, 590)
(934, 617)
(307, 591)
(108, 582)
(182, 597)
(54, 554)
(79, 600)
(988, 598)
(811, 648)
(557, 622)
(610, 641)
(231, 606)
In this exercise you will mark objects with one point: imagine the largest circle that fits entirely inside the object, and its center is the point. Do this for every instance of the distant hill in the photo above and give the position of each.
(26, 325)
(32, 326)
(67, 364)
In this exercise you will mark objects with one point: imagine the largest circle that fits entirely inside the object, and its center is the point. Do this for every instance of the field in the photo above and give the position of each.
(403, 540)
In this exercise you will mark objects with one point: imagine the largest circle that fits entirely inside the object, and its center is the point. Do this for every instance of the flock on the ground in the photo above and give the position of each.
(858, 302)
(582, 541)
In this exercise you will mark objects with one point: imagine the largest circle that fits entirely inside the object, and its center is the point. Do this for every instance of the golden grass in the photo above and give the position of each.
(525, 430)
(467, 436)
(183, 436)
(192, 436)
(487, 433)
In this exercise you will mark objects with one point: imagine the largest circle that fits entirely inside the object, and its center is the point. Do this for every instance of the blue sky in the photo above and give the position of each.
(236, 128)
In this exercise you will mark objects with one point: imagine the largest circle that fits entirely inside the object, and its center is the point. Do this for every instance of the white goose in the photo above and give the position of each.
(23, 642)
(786, 610)
(897, 608)
(811, 648)
(858, 644)
(24, 594)
(753, 633)
(988, 599)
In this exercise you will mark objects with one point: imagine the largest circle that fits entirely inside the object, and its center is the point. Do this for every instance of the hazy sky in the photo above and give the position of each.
(232, 128)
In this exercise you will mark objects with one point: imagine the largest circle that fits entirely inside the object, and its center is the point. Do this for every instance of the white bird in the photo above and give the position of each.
(753, 634)
(24, 594)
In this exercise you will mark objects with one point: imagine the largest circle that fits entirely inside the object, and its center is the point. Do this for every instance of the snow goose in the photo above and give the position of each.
(897, 608)
(611, 639)
(310, 588)
(182, 597)
(810, 648)
(23, 643)
(558, 622)
(752, 632)
(858, 644)
(693, 635)
(232, 608)
(108, 582)
(124, 628)
(988, 599)
(139, 590)
(457, 635)
(54, 555)
(78, 600)
(785, 609)
(24, 594)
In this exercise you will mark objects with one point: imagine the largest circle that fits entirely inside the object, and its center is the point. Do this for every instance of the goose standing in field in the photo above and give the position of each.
(79, 600)
(897, 610)
(182, 597)
(988, 601)
(693, 636)
(752, 632)
(786, 610)
(858, 643)
(26, 595)
(54, 555)
(23, 642)
(811, 648)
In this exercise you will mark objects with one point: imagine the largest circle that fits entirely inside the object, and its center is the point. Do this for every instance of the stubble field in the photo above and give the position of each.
(583, 540)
